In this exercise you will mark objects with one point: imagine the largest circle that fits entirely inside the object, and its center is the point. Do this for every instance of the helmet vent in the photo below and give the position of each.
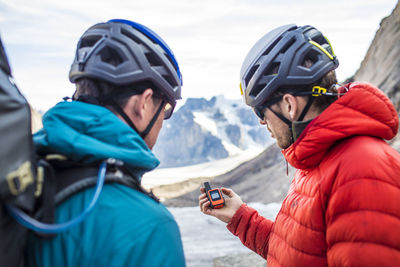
(270, 47)
(287, 45)
(273, 69)
(168, 79)
(170, 60)
(250, 74)
(257, 89)
(153, 60)
(89, 41)
(110, 56)
(310, 59)
(131, 36)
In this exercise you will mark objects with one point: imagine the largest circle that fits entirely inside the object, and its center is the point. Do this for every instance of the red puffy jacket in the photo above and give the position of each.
(343, 206)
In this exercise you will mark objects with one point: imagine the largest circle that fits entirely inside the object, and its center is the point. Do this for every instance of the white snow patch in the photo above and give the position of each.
(232, 149)
(205, 238)
(164, 176)
(205, 122)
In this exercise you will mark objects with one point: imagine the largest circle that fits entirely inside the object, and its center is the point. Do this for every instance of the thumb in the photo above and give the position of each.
(228, 192)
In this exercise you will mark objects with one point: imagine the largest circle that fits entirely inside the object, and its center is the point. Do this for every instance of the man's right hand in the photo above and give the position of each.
(225, 214)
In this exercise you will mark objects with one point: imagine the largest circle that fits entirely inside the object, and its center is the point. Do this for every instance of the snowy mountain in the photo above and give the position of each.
(205, 130)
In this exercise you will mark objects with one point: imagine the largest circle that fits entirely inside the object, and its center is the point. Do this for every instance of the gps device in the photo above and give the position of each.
(214, 196)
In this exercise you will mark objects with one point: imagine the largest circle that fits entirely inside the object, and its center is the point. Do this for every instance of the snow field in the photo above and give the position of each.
(205, 238)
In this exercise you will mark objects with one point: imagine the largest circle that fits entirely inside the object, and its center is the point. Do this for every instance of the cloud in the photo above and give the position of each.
(209, 38)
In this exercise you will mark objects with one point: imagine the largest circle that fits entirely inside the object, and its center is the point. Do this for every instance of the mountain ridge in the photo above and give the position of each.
(210, 130)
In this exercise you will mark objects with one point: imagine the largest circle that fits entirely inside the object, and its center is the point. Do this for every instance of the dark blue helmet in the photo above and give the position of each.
(124, 52)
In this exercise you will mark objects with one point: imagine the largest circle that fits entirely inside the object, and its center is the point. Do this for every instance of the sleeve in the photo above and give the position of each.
(363, 223)
(252, 229)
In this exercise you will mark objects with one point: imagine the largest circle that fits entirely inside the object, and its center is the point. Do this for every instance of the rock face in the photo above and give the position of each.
(381, 65)
(204, 130)
(183, 142)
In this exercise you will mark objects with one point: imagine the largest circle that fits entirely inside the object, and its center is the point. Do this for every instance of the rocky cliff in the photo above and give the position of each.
(381, 65)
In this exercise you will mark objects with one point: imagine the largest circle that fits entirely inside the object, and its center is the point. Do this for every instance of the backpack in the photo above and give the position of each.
(17, 164)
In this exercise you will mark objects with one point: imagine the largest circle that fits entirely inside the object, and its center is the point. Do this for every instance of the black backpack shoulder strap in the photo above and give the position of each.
(64, 179)
(73, 180)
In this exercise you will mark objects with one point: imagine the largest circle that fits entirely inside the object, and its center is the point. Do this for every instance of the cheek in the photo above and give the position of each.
(270, 123)
(159, 122)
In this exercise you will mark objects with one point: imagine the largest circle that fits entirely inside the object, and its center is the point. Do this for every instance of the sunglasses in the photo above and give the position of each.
(168, 109)
(260, 110)
(168, 105)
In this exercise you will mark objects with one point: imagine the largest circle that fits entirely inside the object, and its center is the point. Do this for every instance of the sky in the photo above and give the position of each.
(210, 38)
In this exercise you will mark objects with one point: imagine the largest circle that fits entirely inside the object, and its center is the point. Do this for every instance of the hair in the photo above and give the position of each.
(121, 94)
(328, 81)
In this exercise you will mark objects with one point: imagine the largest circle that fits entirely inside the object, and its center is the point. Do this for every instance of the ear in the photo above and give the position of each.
(144, 103)
(289, 106)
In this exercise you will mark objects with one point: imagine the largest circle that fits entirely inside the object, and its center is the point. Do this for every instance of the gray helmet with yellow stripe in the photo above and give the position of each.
(278, 59)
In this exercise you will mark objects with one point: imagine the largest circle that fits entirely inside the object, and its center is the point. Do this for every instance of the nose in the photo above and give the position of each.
(263, 121)
(269, 129)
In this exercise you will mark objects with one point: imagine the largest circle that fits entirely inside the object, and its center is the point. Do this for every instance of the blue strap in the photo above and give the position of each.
(40, 227)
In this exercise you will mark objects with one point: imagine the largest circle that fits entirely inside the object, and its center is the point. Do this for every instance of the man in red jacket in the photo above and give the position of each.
(343, 206)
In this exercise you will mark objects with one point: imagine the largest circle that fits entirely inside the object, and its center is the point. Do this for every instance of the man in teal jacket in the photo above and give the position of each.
(127, 81)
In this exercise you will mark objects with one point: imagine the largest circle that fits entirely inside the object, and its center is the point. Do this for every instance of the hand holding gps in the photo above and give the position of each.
(214, 196)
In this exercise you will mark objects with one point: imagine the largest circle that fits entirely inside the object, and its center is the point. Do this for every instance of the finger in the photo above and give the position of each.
(202, 190)
(202, 201)
(204, 207)
(202, 196)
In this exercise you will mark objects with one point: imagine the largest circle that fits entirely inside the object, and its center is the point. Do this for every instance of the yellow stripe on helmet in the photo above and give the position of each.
(333, 53)
(322, 49)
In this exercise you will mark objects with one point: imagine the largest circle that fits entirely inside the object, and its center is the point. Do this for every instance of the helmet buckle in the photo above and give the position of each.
(318, 91)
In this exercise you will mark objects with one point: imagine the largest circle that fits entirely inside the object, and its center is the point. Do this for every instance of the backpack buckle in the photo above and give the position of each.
(20, 179)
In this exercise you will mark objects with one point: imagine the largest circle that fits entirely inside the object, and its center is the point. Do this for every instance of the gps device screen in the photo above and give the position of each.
(215, 195)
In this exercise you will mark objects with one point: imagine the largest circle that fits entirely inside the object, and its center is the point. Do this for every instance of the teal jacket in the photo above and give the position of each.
(126, 227)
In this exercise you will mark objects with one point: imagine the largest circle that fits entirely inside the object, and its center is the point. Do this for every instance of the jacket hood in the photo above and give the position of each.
(89, 133)
(363, 110)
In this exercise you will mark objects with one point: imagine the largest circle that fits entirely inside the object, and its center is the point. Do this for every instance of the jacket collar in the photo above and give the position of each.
(363, 110)
(89, 133)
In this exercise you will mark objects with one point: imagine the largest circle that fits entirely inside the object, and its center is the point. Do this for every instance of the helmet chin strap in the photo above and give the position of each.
(153, 121)
(129, 121)
(296, 127)
(109, 100)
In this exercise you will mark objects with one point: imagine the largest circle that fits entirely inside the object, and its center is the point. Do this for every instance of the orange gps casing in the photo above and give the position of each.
(214, 196)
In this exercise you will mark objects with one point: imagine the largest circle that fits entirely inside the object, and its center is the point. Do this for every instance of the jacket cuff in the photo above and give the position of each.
(234, 222)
